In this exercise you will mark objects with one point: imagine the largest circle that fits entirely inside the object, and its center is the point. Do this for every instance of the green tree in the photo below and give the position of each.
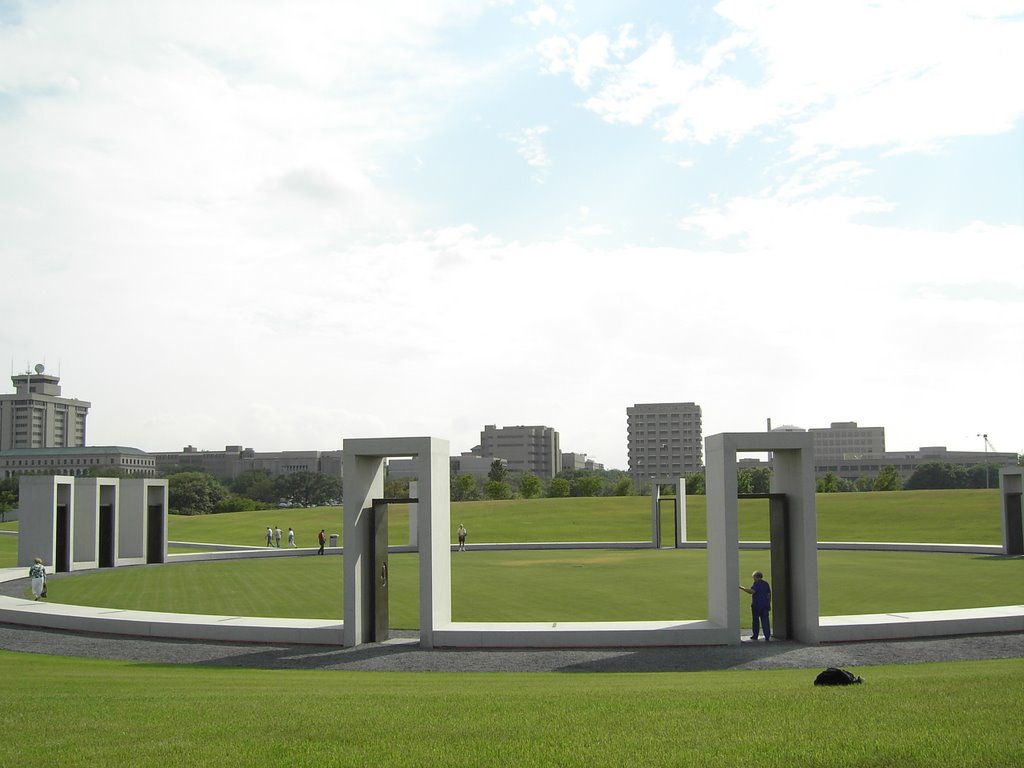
(8, 496)
(623, 487)
(585, 485)
(827, 483)
(864, 483)
(695, 485)
(935, 475)
(464, 488)
(558, 488)
(761, 480)
(889, 479)
(396, 487)
(496, 489)
(983, 476)
(744, 481)
(193, 493)
(845, 486)
(234, 502)
(257, 484)
(498, 471)
(308, 489)
(530, 486)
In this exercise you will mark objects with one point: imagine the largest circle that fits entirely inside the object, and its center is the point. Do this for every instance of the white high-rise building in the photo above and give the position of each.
(665, 441)
(36, 416)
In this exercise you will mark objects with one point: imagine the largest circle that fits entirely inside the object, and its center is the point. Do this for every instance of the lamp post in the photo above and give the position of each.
(984, 437)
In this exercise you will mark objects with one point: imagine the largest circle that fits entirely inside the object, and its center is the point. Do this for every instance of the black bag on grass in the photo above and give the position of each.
(836, 676)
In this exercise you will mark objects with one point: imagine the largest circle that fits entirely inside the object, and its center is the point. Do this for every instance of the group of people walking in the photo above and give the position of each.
(274, 538)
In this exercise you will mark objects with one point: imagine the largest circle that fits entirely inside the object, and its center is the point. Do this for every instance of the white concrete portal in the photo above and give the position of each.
(680, 511)
(364, 481)
(793, 476)
(46, 508)
(74, 523)
(95, 529)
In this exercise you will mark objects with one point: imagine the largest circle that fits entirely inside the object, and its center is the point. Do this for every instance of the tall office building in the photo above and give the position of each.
(36, 416)
(525, 449)
(665, 441)
(845, 440)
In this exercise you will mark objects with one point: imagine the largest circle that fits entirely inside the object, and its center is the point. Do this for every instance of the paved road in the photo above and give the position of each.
(403, 654)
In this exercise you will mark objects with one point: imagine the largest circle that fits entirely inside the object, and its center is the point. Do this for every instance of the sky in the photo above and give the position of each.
(283, 224)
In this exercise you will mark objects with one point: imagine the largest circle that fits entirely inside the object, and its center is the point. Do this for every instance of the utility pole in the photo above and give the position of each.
(984, 436)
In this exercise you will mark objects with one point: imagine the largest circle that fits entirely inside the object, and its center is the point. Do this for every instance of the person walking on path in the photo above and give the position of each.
(270, 536)
(323, 540)
(462, 538)
(277, 537)
(291, 538)
(760, 605)
(37, 572)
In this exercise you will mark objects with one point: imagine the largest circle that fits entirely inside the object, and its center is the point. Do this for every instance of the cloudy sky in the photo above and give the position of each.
(284, 224)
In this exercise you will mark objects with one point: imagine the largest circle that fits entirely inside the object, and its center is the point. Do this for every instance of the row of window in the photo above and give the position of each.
(78, 462)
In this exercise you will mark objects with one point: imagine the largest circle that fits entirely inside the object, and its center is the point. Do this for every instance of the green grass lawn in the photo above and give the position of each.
(92, 713)
(970, 516)
(575, 585)
(579, 585)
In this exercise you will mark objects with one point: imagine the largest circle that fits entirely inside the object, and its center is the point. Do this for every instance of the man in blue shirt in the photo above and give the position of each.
(760, 605)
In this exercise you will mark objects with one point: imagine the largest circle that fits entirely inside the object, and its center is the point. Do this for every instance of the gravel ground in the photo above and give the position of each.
(403, 654)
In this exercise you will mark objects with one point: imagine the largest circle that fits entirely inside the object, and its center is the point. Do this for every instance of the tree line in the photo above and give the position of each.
(193, 492)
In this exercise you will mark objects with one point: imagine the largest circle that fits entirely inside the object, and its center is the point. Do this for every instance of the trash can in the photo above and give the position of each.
(334, 540)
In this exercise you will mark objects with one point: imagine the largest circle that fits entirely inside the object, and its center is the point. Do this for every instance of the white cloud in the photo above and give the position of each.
(530, 146)
(841, 75)
(542, 14)
(584, 58)
(223, 204)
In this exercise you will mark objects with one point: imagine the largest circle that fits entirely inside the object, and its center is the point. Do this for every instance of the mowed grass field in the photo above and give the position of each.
(579, 585)
(88, 713)
(97, 713)
(970, 516)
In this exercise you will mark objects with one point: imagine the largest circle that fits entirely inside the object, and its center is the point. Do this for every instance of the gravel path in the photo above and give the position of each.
(403, 654)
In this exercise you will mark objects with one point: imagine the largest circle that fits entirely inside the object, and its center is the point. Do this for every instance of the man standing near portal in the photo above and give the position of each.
(270, 536)
(760, 605)
(462, 537)
(277, 537)
(323, 540)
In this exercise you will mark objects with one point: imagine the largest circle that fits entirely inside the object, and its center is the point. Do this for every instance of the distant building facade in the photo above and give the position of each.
(525, 449)
(907, 462)
(76, 461)
(845, 440)
(234, 460)
(37, 416)
(579, 461)
(468, 463)
(851, 452)
(665, 441)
